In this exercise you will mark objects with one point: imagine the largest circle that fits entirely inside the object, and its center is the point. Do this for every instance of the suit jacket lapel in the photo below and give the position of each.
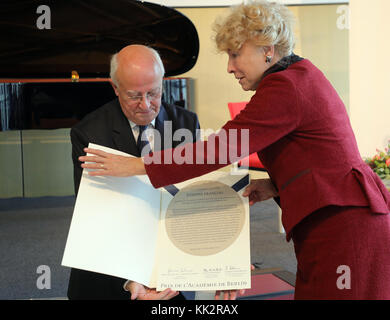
(121, 132)
(159, 124)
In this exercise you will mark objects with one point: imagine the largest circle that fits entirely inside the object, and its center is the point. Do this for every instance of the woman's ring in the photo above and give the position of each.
(102, 165)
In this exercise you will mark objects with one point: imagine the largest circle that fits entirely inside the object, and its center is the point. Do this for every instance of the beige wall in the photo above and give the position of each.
(318, 39)
(323, 40)
(370, 74)
(214, 87)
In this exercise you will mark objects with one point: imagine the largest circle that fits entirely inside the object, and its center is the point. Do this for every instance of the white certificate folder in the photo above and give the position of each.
(190, 236)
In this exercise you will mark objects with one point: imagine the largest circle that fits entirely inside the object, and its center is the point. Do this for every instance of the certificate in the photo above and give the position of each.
(204, 235)
(191, 236)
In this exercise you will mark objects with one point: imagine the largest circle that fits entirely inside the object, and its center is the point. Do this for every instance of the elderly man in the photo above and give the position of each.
(137, 75)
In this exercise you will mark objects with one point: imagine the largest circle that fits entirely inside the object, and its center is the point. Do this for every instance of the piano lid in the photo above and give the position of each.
(50, 39)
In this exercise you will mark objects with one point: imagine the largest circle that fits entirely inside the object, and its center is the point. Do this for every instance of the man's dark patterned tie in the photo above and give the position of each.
(143, 144)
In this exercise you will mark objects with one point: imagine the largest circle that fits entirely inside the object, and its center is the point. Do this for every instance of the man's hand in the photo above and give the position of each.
(260, 190)
(107, 164)
(140, 292)
(230, 294)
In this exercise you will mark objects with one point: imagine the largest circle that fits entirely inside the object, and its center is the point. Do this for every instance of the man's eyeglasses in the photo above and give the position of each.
(137, 96)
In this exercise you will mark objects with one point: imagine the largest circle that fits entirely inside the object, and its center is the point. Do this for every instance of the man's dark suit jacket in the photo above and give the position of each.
(108, 126)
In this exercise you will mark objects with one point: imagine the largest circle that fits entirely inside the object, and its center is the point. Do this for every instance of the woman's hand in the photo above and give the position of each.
(260, 190)
(107, 164)
(140, 292)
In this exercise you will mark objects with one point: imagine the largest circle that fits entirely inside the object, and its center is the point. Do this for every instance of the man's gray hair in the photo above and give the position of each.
(114, 65)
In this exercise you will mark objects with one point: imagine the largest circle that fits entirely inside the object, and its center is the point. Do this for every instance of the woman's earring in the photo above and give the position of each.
(268, 59)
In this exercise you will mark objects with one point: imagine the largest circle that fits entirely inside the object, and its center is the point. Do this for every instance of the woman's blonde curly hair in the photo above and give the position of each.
(262, 22)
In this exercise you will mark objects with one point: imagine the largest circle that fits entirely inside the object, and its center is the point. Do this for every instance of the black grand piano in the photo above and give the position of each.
(54, 69)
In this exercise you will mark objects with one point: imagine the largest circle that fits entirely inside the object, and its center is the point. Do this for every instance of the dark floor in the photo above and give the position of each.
(33, 233)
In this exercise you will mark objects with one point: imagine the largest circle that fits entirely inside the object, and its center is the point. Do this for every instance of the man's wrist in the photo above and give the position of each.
(140, 167)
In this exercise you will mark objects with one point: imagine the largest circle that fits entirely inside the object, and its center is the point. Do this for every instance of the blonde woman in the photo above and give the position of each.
(335, 208)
